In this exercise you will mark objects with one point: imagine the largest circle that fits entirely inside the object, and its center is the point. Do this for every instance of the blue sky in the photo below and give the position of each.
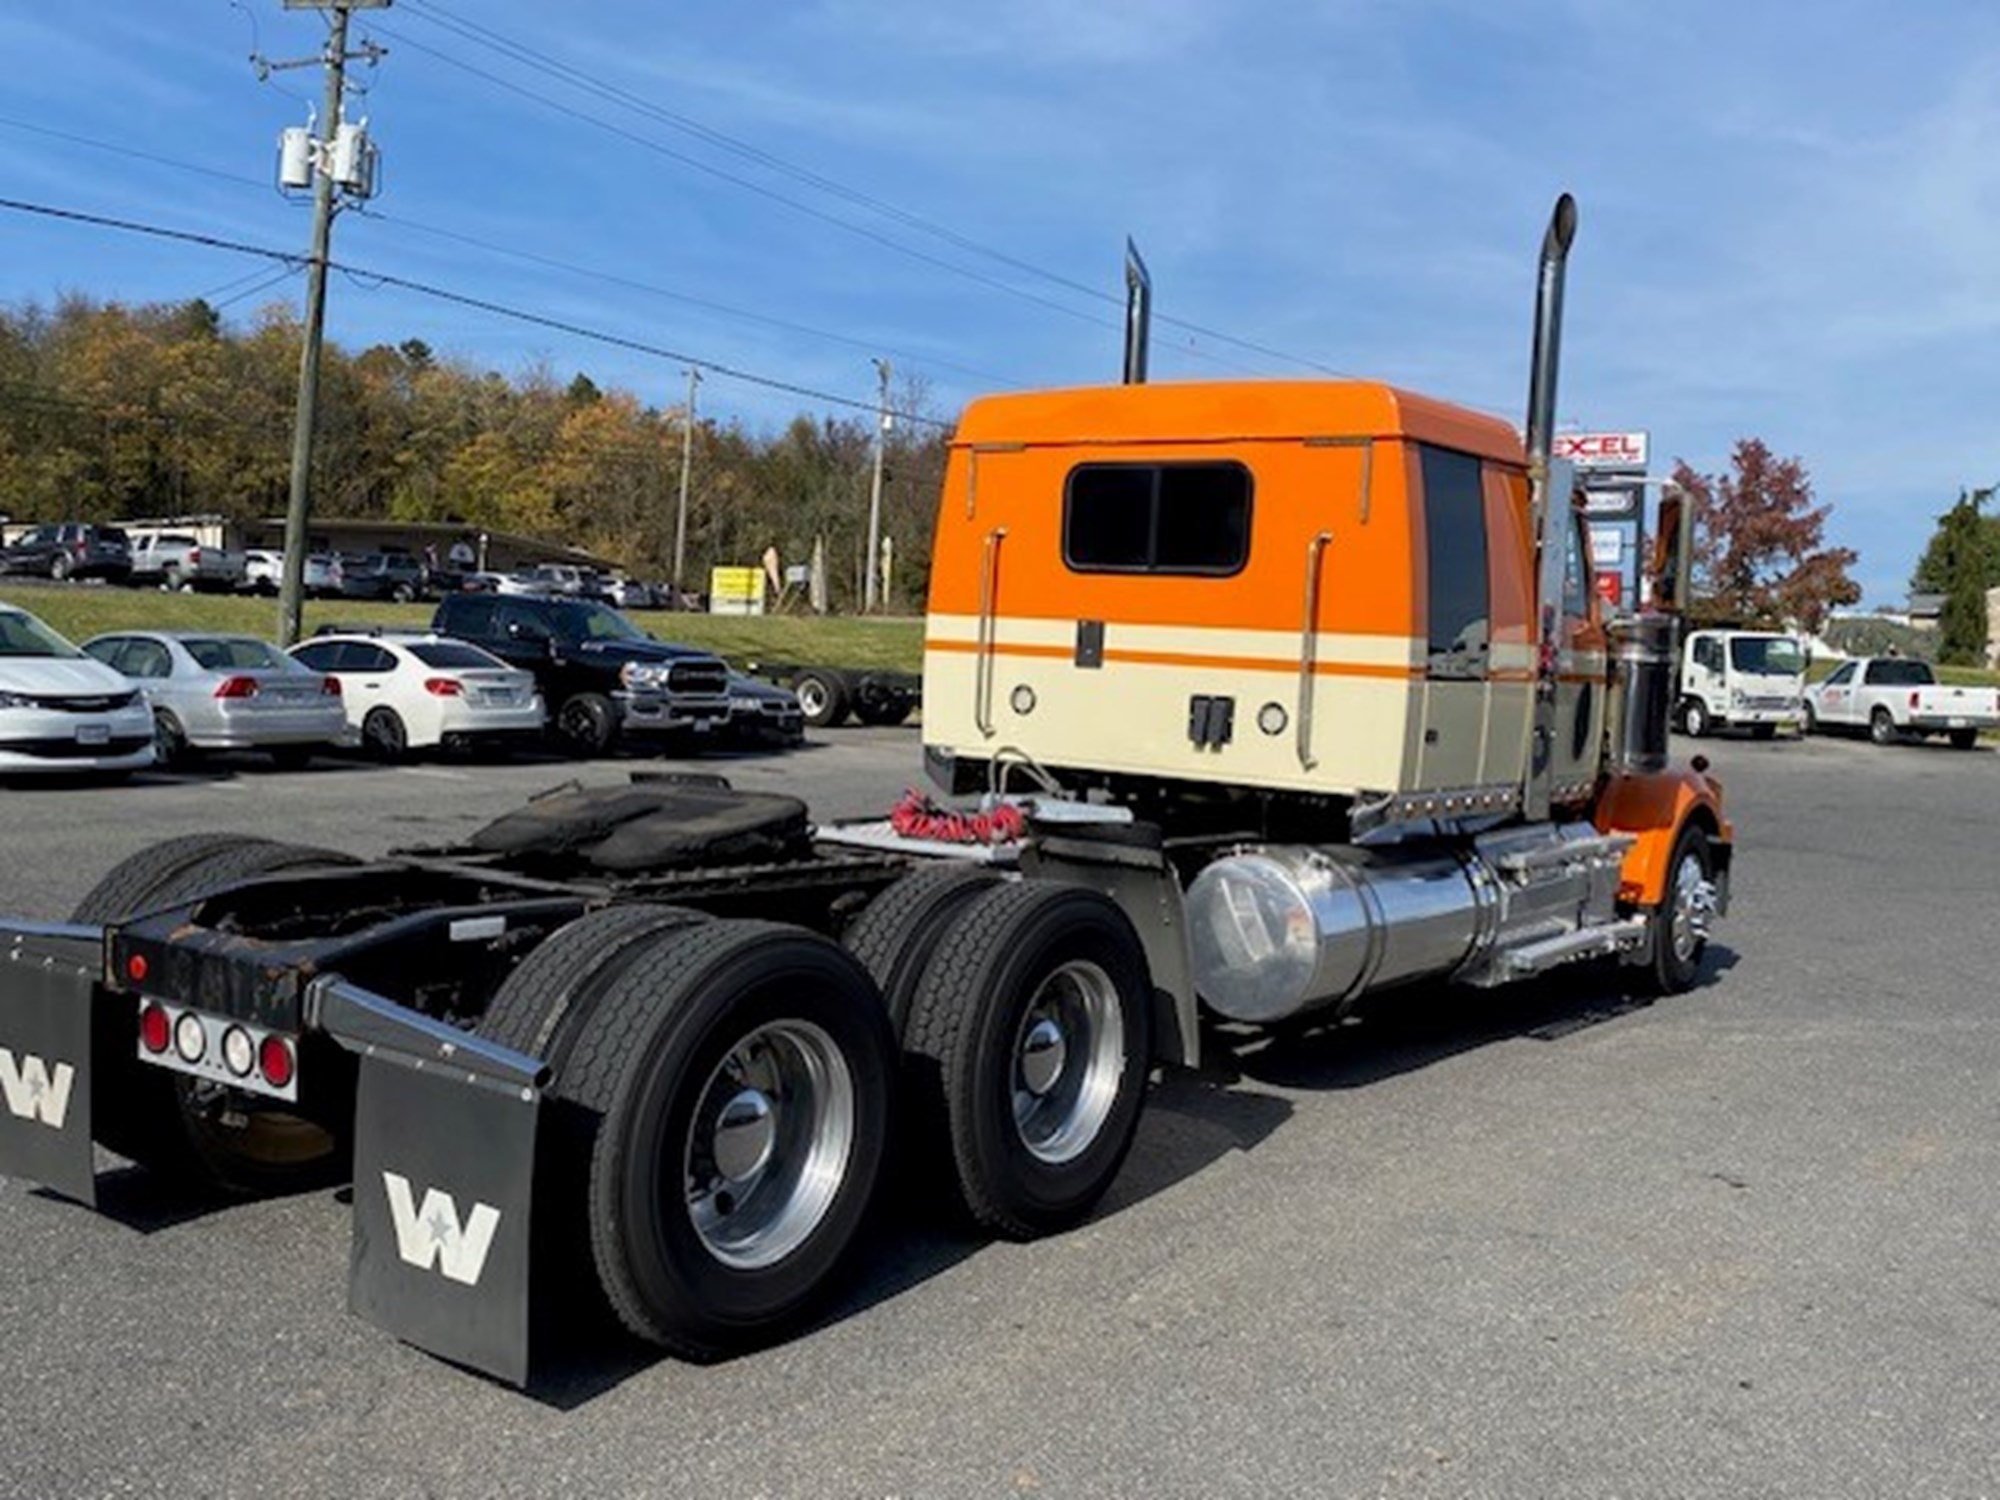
(1791, 214)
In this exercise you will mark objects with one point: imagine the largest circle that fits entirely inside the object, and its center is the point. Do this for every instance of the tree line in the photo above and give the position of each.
(109, 411)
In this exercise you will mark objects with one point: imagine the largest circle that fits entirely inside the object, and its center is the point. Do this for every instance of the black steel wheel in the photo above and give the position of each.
(897, 932)
(1680, 922)
(217, 1138)
(586, 724)
(823, 696)
(722, 1108)
(383, 735)
(1027, 1047)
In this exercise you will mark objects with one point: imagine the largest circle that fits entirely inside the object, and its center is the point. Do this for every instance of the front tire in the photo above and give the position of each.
(1027, 1048)
(586, 724)
(1680, 922)
(1810, 723)
(1695, 719)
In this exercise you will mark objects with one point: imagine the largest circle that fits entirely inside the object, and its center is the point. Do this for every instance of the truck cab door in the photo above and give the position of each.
(1580, 670)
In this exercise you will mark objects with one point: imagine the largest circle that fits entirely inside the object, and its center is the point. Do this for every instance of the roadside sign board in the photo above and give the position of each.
(736, 591)
(1603, 450)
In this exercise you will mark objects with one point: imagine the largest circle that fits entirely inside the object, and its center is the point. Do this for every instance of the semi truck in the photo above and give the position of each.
(1276, 698)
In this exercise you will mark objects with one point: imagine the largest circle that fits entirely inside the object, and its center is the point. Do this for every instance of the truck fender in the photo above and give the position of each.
(1653, 807)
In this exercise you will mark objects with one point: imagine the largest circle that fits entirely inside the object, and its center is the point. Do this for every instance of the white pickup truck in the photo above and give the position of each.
(1892, 697)
(176, 561)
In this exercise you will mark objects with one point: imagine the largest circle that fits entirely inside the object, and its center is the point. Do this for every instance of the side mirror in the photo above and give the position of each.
(1669, 567)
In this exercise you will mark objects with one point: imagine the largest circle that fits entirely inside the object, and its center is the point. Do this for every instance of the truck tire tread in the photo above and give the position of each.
(897, 932)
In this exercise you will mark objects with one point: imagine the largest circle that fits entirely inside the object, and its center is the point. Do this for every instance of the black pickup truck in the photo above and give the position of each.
(601, 676)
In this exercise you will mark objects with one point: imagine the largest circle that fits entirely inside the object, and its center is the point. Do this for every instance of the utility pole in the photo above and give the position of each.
(338, 159)
(687, 466)
(871, 562)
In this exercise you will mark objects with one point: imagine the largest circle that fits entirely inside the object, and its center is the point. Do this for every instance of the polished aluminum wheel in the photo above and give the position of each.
(1069, 1054)
(1694, 903)
(770, 1144)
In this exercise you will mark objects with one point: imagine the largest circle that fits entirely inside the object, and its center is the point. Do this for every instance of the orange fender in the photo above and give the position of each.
(1654, 806)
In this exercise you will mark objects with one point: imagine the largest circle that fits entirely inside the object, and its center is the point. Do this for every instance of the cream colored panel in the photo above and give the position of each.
(1133, 718)
(1510, 707)
(1454, 734)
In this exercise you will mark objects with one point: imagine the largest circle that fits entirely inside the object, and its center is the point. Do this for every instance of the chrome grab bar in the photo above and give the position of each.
(1309, 647)
(989, 594)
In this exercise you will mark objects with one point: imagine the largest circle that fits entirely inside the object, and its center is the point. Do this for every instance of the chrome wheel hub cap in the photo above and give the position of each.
(769, 1144)
(1069, 1055)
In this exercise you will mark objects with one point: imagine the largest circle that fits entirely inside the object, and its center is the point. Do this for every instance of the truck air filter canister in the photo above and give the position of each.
(1644, 653)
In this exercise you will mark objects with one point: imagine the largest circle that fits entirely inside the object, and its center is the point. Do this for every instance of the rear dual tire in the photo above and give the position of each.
(216, 1138)
(1026, 1052)
(718, 1118)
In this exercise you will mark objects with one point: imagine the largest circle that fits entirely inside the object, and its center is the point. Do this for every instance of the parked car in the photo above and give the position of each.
(636, 593)
(177, 561)
(263, 570)
(225, 692)
(1752, 679)
(383, 575)
(602, 676)
(762, 713)
(1893, 697)
(61, 710)
(566, 579)
(412, 692)
(71, 549)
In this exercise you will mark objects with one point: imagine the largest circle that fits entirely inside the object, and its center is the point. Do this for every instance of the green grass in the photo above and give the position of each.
(81, 611)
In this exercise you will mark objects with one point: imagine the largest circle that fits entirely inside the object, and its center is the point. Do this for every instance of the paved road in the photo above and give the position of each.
(1548, 1243)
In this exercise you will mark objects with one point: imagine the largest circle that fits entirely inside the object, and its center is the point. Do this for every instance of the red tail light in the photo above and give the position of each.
(274, 1059)
(330, 685)
(194, 557)
(237, 687)
(444, 687)
(154, 1028)
(1913, 697)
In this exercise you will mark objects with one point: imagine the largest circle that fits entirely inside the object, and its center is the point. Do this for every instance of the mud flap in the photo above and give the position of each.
(443, 1196)
(48, 981)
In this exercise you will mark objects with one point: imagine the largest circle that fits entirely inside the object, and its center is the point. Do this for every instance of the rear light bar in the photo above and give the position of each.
(237, 687)
(218, 1049)
(444, 687)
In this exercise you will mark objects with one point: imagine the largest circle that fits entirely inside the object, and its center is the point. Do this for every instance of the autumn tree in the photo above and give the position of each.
(1760, 556)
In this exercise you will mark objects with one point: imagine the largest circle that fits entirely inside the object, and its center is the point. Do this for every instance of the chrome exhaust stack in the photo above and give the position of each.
(1138, 314)
(1551, 488)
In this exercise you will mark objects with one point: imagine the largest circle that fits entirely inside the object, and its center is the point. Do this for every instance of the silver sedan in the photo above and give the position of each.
(226, 692)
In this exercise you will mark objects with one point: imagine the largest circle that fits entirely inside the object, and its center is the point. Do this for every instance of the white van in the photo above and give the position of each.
(1753, 679)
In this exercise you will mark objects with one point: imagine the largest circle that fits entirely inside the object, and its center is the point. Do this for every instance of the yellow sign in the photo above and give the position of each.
(736, 591)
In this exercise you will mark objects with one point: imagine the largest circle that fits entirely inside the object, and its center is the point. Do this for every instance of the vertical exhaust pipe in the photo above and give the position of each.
(1551, 511)
(1138, 314)
(1542, 369)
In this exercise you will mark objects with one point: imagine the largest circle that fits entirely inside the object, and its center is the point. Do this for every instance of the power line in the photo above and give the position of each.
(541, 62)
(871, 346)
(541, 320)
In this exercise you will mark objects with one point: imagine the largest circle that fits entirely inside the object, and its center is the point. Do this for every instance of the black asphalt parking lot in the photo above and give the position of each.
(1554, 1241)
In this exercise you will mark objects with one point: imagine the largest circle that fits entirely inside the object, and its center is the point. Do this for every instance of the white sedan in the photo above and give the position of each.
(61, 711)
(408, 692)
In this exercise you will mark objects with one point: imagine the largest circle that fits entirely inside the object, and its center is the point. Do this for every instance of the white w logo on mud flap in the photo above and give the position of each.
(34, 1091)
(434, 1233)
